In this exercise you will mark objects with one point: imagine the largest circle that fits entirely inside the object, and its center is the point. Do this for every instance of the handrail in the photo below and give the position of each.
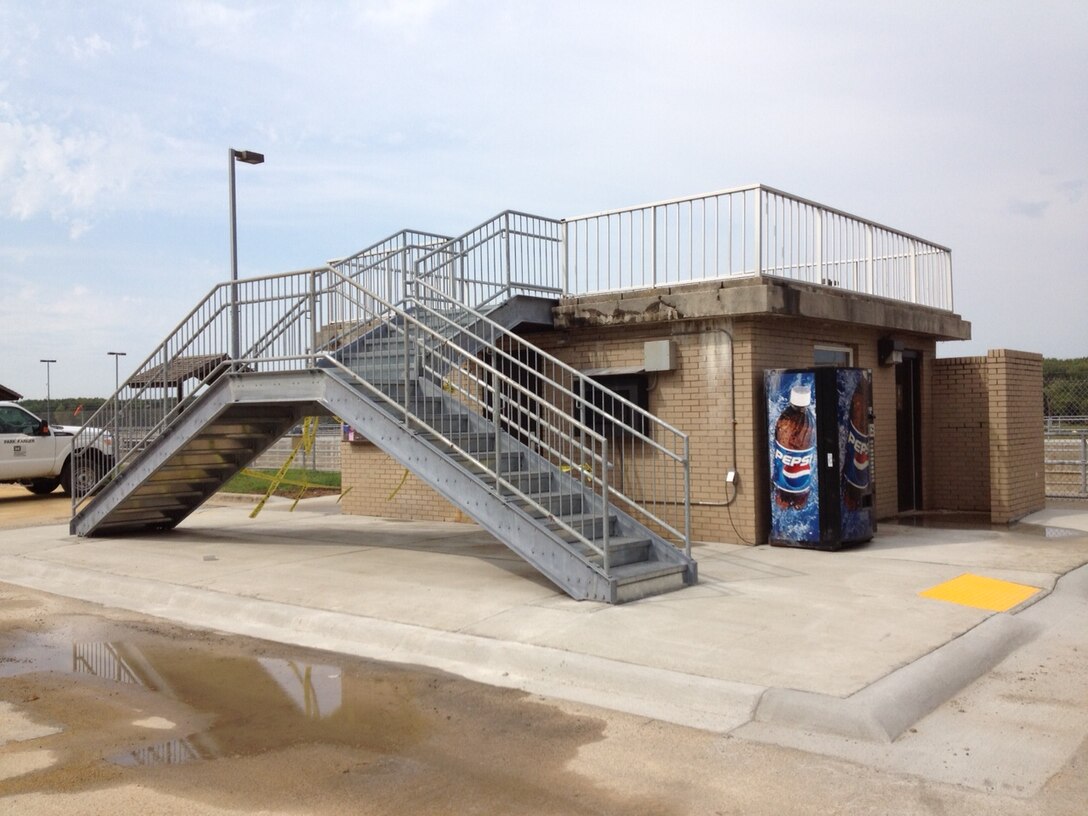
(633, 429)
(281, 319)
(512, 253)
(558, 389)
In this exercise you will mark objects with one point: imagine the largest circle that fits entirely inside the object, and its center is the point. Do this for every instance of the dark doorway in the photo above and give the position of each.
(908, 428)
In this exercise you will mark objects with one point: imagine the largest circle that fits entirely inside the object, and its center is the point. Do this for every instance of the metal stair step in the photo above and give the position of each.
(559, 504)
(622, 550)
(511, 461)
(591, 527)
(527, 482)
(640, 580)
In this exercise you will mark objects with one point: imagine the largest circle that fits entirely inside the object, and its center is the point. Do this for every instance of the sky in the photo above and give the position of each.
(964, 123)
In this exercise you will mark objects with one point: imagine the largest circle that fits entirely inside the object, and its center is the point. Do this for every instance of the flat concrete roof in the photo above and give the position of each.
(753, 297)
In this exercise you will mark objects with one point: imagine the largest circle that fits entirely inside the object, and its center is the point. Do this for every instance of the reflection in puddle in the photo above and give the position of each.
(314, 689)
(251, 704)
(102, 660)
(171, 752)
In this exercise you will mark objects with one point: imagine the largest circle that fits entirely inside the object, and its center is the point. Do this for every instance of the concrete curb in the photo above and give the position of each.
(684, 699)
(883, 710)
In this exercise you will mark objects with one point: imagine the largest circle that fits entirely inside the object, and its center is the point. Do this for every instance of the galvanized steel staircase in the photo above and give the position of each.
(519, 441)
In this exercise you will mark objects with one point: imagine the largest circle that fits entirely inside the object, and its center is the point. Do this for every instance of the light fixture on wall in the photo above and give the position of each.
(889, 350)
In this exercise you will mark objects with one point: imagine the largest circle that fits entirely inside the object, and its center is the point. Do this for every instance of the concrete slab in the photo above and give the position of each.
(792, 634)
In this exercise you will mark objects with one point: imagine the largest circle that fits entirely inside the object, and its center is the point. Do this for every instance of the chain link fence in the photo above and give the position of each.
(1065, 409)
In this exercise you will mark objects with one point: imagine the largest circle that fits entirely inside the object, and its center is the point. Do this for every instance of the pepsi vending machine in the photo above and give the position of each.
(820, 434)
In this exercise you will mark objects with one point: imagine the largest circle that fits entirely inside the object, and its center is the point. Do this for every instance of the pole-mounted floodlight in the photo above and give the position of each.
(48, 411)
(116, 355)
(246, 157)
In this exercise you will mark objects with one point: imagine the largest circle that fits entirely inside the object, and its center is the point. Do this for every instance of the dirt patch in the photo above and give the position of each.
(21, 508)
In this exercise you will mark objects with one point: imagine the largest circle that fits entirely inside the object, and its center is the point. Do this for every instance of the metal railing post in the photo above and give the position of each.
(564, 265)
(313, 319)
(496, 408)
(913, 273)
(869, 260)
(687, 496)
(758, 229)
(947, 259)
(604, 510)
(508, 275)
(653, 247)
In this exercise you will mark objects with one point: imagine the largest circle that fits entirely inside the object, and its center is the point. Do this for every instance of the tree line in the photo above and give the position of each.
(1065, 387)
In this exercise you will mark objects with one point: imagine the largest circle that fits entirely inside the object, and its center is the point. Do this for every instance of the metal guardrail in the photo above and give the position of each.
(513, 253)
(283, 326)
(750, 232)
(546, 402)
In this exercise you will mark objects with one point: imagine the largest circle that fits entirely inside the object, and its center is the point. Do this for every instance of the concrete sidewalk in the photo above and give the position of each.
(833, 642)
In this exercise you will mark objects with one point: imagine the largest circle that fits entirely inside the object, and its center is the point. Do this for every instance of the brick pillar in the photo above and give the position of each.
(1015, 385)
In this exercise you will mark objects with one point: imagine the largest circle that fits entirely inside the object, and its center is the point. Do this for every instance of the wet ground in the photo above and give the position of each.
(247, 725)
(107, 711)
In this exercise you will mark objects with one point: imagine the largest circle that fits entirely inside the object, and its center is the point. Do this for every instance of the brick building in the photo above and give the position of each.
(962, 434)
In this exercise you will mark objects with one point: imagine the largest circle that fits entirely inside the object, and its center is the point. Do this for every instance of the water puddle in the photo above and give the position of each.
(252, 703)
(977, 521)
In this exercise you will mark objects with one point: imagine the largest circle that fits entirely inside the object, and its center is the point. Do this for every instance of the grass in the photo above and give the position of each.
(320, 482)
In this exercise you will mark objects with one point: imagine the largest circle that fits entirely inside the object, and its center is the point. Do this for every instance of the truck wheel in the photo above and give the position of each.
(66, 477)
(42, 487)
(85, 472)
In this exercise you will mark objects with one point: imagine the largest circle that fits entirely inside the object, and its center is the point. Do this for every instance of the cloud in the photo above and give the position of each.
(1030, 209)
(401, 13)
(71, 174)
(88, 47)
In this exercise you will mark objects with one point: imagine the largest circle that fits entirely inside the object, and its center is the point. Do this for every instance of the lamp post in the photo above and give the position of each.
(48, 412)
(116, 355)
(246, 157)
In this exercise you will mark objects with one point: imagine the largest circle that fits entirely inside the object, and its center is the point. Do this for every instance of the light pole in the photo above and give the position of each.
(116, 355)
(48, 412)
(246, 157)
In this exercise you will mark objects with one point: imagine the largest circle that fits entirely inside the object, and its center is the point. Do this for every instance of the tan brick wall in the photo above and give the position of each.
(693, 398)
(960, 452)
(697, 399)
(1017, 485)
(988, 445)
(981, 419)
(379, 486)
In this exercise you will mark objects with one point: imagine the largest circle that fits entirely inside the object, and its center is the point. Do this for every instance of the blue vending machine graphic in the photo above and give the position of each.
(819, 435)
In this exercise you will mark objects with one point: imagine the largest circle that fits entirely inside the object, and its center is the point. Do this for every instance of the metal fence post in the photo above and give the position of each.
(1084, 463)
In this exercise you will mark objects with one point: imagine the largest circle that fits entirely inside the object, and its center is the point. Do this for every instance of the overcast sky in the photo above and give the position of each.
(965, 123)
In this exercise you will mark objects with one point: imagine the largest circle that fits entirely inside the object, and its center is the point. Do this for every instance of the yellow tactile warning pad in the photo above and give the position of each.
(981, 592)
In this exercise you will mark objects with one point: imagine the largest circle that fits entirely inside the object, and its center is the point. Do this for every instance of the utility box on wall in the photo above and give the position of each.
(659, 355)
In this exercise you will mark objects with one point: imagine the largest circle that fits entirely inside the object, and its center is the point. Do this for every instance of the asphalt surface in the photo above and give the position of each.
(831, 653)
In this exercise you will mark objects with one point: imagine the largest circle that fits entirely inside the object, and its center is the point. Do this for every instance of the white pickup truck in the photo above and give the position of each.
(40, 456)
